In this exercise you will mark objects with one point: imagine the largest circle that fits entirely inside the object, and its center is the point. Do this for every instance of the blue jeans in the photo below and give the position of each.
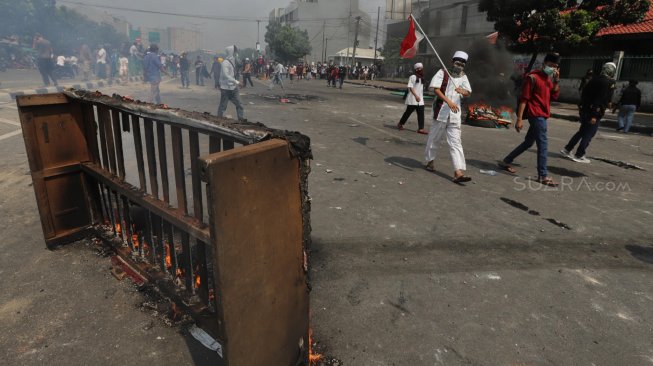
(626, 114)
(184, 78)
(585, 134)
(234, 97)
(536, 135)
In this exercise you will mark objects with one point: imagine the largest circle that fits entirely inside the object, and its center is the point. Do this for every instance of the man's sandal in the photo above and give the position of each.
(507, 167)
(547, 182)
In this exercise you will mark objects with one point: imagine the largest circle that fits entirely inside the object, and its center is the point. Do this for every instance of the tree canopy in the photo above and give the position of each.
(543, 25)
(287, 43)
(65, 28)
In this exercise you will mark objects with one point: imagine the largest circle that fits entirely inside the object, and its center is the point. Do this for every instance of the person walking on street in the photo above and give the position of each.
(538, 88)
(152, 69)
(342, 72)
(415, 99)
(630, 101)
(199, 77)
(184, 69)
(447, 115)
(44, 62)
(277, 71)
(216, 69)
(86, 60)
(595, 99)
(229, 85)
(247, 73)
(101, 63)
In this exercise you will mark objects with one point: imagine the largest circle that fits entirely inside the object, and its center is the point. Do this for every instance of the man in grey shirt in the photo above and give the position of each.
(229, 85)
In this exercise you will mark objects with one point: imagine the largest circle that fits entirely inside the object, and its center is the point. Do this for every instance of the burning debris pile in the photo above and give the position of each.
(483, 115)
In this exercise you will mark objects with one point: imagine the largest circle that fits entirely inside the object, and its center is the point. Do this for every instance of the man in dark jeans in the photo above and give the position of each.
(631, 99)
(596, 97)
(44, 62)
(539, 87)
(199, 76)
(184, 67)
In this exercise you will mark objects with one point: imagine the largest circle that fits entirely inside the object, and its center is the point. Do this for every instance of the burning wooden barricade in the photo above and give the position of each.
(191, 235)
(482, 114)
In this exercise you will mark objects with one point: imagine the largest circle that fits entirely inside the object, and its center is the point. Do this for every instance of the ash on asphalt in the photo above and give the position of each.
(292, 97)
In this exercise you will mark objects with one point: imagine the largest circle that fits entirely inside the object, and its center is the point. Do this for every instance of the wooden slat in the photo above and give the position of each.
(117, 137)
(214, 144)
(160, 247)
(163, 160)
(169, 229)
(103, 142)
(150, 233)
(128, 222)
(202, 270)
(187, 259)
(188, 224)
(138, 146)
(151, 156)
(88, 114)
(194, 143)
(178, 163)
(105, 117)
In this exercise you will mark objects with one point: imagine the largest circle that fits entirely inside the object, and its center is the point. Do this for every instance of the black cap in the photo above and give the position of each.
(552, 57)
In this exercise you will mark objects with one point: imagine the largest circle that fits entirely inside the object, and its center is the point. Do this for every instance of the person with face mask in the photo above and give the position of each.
(594, 100)
(415, 99)
(447, 115)
(539, 87)
(229, 85)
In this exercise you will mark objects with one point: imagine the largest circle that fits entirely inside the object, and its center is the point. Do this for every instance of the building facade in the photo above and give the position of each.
(331, 24)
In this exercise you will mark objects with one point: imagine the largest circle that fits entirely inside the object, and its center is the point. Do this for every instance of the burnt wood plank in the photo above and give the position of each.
(151, 156)
(227, 144)
(178, 163)
(187, 261)
(138, 146)
(117, 138)
(105, 117)
(194, 142)
(88, 114)
(103, 142)
(163, 160)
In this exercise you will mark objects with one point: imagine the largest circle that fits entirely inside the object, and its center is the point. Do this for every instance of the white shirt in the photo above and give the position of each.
(133, 50)
(419, 90)
(124, 62)
(451, 93)
(73, 60)
(101, 56)
(61, 61)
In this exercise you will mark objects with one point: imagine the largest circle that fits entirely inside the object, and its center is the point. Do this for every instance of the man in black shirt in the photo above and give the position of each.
(595, 98)
(631, 99)
(342, 71)
(184, 67)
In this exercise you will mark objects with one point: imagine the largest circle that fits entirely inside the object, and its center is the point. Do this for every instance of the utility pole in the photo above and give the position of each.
(258, 35)
(323, 39)
(348, 31)
(353, 56)
(376, 38)
(326, 50)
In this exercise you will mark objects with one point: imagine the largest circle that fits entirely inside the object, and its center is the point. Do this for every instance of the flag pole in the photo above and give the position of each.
(434, 50)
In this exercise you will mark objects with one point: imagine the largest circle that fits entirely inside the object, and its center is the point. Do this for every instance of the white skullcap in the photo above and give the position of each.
(461, 55)
(419, 65)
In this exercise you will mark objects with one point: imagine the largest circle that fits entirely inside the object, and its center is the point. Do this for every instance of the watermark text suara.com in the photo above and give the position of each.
(571, 185)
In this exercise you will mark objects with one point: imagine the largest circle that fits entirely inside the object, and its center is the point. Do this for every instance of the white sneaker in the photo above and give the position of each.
(565, 153)
(582, 159)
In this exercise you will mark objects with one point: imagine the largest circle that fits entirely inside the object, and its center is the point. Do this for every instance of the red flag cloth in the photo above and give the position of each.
(410, 43)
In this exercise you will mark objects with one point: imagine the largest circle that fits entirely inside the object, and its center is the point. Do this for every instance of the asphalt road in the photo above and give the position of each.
(408, 268)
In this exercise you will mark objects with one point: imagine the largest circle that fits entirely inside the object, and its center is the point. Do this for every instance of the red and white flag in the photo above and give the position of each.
(410, 44)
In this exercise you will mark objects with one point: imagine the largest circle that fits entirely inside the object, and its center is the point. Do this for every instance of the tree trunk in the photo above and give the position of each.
(530, 64)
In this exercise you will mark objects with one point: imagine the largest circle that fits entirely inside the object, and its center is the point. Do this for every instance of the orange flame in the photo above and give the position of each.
(180, 272)
(168, 258)
(313, 358)
(135, 241)
(198, 281)
(118, 229)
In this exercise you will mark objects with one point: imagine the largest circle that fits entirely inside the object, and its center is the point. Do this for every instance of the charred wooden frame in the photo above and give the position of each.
(229, 237)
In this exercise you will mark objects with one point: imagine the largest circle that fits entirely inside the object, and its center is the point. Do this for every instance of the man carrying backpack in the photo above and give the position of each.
(539, 87)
